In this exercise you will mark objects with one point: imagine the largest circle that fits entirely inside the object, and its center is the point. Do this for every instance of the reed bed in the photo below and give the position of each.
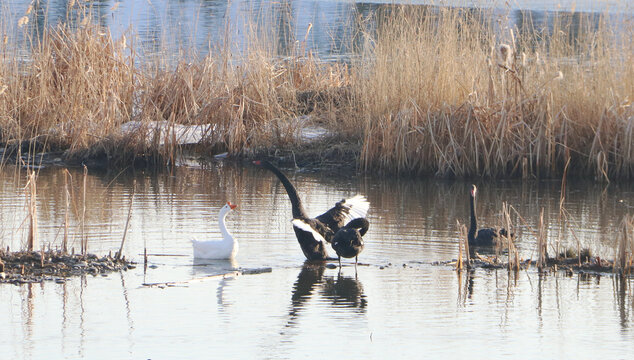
(434, 91)
(446, 96)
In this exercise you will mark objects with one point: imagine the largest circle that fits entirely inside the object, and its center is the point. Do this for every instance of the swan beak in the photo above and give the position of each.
(232, 206)
(257, 162)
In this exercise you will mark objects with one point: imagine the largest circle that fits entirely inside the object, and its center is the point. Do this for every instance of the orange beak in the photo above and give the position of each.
(232, 206)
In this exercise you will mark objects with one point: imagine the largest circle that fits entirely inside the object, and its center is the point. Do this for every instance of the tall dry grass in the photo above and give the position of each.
(443, 94)
(436, 91)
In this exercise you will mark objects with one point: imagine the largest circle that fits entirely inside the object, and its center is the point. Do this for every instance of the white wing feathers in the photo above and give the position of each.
(302, 225)
(357, 206)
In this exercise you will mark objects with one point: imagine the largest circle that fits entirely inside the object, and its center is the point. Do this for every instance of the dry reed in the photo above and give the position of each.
(31, 192)
(463, 245)
(127, 222)
(435, 91)
(625, 246)
(542, 242)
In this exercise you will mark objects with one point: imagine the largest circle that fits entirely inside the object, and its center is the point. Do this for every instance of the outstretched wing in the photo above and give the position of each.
(344, 211)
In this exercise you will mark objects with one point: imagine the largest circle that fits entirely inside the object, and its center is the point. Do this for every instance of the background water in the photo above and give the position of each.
(190, 27)
(397, 304)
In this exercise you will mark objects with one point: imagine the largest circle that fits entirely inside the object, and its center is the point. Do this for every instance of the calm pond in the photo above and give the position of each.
(397, 304)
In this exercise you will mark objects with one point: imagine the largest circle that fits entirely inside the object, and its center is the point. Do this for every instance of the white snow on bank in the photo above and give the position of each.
(168, 132)
(192, 134)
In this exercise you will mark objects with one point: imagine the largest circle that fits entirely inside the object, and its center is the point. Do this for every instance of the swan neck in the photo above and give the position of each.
(298, 209)
(223, 228)
(474, 223)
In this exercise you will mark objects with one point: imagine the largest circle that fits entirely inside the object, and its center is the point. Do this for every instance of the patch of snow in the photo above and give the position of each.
(169, 132)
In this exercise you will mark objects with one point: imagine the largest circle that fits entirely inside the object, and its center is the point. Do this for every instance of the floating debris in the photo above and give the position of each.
(31, 267)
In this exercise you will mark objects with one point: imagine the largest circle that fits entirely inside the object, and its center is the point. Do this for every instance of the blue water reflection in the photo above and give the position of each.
(328, 28)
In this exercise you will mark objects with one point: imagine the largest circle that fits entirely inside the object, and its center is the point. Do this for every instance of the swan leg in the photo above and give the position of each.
(339, 262)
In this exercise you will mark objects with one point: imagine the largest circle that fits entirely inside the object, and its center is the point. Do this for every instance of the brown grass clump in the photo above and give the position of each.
(436, 90)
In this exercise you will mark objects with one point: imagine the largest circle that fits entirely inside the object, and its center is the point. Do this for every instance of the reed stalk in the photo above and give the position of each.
(127, 222)
(463, 244)
(513, 254)
(68, 178)
(625, 246)
(32, 240)
(84, 239)
(542, 243)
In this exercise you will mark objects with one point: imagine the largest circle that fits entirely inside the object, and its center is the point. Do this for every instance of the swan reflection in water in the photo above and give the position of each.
(341, 291)
(205, 267)
(345, 291)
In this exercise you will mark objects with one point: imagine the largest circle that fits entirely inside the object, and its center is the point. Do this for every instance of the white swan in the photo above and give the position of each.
(227, 248)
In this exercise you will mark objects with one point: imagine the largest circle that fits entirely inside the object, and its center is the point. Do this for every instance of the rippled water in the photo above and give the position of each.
(327, 27)
(396, 304)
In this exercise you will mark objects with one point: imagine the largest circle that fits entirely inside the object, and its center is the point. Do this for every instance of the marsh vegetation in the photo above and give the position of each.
(439, 91)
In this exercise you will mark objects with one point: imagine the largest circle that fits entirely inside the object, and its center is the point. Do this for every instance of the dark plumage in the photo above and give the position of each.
(486, 236)
(314, 233)
(348, 241)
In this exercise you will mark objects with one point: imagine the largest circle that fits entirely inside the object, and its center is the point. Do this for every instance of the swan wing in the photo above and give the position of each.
(304, 226)
(344, 211)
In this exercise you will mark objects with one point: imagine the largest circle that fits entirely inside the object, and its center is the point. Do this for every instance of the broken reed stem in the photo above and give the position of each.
(127, 222)
(562, 199)
(463, 243)
(84, 240)
(513, 255)
(32, 194)
(68, 178)
(541, 242)
(625, 245)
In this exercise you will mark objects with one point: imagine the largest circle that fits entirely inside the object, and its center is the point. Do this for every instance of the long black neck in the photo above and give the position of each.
(359, 223)
(298, 209)
(474, 222)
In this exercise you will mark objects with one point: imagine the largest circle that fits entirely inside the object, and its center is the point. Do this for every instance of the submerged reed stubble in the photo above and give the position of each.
(434, 92)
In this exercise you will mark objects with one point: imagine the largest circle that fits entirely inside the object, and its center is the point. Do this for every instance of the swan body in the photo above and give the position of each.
(313, 234)
(227, 248)
(348, 241)
(485, 236)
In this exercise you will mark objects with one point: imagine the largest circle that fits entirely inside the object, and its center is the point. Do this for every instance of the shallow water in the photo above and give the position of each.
(396, 304)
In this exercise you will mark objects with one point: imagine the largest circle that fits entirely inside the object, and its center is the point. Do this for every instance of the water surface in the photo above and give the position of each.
(396, 304)
(329, 28)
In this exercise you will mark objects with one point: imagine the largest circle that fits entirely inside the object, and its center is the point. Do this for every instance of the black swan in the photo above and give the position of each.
(486, 236)
(348, 241)
(314, 233)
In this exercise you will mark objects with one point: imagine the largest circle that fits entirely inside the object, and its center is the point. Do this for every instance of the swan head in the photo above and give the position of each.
(474, 189)
(228, 207)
